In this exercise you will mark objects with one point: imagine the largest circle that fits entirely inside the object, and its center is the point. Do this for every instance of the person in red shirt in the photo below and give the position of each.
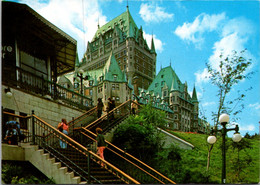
(64, 128)
(101, 144)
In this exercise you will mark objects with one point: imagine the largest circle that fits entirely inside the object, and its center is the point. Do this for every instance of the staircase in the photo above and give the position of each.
(76, 158)
(114, 155)
(79, 160)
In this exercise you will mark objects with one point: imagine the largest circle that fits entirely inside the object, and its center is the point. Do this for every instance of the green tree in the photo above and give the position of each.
(237, 171)
(232, 69)
(139, 134)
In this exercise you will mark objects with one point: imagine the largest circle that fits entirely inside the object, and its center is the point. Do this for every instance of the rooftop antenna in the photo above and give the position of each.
(127, 4)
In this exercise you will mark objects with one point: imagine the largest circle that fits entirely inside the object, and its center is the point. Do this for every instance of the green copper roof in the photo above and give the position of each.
(77, 60)
(152, 46)
(112, 70)
(166, 78)
(125, 22)
(194, 95)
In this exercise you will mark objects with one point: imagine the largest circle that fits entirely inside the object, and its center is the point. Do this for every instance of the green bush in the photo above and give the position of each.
(22, 173)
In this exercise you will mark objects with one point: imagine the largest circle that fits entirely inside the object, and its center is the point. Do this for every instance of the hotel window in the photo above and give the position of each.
(113, 86)
(117, 86)
(117, 98)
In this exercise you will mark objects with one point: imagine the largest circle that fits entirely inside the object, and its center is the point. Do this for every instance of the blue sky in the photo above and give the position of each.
(187, 34)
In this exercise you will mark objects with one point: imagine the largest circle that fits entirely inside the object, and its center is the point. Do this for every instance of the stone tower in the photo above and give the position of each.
(122, 36)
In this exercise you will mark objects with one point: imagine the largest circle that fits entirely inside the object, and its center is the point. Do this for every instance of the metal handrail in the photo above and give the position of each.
(83, 150)
(105, 115)
(26, 81)
(133, 159)
(81, 117)
(136, 162)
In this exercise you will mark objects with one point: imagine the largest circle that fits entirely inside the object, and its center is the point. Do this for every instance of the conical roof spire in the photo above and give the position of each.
(77, 60)
(194, 95)
(152, 46)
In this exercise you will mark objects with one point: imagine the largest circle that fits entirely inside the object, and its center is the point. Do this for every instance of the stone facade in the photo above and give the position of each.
(50, 111)
(122, 36)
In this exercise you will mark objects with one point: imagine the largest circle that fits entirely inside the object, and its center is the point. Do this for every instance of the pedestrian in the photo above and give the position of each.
(134, 106)
(11, 135)
(111, 105)
(100, 107)
(12, 122)
(64, 128)
(101, 144)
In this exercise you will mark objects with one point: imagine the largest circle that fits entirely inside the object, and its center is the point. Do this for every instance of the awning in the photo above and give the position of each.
(38, 35)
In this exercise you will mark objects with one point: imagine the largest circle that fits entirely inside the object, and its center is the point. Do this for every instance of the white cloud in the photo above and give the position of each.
(255, 106)
(246, 127)
(157, 43)
(193, 32)
(234, 37)
(202, 77)
(205, 104)
(154, 13)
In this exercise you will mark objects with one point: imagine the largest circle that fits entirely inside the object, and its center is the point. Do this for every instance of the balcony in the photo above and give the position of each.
(28, 82)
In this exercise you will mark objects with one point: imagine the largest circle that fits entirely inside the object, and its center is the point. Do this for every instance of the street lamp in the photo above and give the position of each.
(224, 119)
(80, 75)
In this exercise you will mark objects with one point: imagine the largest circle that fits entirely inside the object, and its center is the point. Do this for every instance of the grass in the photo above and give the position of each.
(196, 159)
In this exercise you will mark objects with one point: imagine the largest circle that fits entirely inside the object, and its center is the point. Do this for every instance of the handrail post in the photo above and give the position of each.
(33, 128)
(88, 165)
(43, 139)
(73, 127)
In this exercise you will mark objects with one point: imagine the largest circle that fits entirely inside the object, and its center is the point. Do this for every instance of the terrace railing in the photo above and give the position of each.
(32, 83)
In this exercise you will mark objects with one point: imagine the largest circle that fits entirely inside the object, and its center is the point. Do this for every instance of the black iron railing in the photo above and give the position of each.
(112, 118)
(125, 161)
(32, 83)
(49, 138)
(116, 156)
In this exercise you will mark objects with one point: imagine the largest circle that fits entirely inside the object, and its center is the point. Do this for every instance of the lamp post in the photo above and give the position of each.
(224, 119)
(80, 75)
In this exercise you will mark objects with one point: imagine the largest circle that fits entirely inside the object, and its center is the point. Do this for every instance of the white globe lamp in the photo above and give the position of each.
(237, 137)
(81, 71)
(224, 118)
(211, 140)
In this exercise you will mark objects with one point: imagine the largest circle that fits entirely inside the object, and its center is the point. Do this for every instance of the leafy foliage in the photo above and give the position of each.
(232, 70)
(13, 173)
(242, 167)
(138, 134)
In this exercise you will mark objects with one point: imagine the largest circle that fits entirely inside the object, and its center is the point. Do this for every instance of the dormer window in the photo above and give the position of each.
(162, 83)
(115, 77)
(90, 82)
(101, 78)
(156, 84)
